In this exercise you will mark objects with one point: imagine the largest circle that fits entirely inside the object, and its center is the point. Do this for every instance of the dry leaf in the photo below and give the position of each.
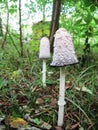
(73, 127)
(39, 101)
(18, 123)
(58, 128)
(66, 116)
(68, 85)
(54, 102)
(46, 126)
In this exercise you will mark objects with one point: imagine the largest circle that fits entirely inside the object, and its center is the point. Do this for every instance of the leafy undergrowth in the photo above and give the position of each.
(25, 103)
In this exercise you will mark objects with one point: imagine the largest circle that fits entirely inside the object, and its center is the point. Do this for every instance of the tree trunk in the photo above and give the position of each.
(55, 21)
(44, 13)
(7, 25)
(20, 29)
(1, 31)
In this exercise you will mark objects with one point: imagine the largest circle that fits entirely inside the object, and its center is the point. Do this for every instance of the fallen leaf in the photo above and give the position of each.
(8, 119)
(18, 123)
(58, 128)
(66, 116)
(74, 126)
(54, 102)
(68, 85)
(39, 101)
(46, 126)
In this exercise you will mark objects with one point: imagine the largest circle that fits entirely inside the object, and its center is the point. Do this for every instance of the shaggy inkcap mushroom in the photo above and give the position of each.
(44, 48)
(64, 53)
(44, 54)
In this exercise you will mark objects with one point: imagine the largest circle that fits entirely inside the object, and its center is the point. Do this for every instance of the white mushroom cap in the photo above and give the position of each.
(64, 53)
(44, 52)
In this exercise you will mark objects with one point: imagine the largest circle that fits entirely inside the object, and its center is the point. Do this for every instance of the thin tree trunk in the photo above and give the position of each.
(55, 20)
(5, 37)
(1, 31)
(20, 29)
(43, 9)
(44, 13)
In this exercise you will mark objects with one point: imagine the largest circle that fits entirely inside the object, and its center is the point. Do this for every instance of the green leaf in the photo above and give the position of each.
(37, 121)
(96, 20)
(12, 10)
(84, 89)
(92, 8)
(87, 2)
(78, 21)
(88, 18)
(95, 45)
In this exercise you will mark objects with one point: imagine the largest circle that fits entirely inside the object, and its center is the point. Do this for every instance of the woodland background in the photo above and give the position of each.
(22, 24)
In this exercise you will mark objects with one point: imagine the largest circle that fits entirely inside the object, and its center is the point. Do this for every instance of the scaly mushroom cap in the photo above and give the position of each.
(64, 53)
(44, 52)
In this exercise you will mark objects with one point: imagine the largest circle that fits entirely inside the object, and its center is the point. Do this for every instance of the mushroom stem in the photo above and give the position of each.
(61, 101)
(44, 73)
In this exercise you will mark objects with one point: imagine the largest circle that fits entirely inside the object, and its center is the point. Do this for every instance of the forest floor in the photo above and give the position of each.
(25, 103)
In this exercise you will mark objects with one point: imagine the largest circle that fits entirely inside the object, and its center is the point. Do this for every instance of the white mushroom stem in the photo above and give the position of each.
(44, 73)
(61, 101)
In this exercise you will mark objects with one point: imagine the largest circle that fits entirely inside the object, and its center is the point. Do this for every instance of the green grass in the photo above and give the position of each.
(21, 86)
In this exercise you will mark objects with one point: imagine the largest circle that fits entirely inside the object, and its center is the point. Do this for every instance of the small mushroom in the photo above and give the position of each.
(44, 54)
(63, 55)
